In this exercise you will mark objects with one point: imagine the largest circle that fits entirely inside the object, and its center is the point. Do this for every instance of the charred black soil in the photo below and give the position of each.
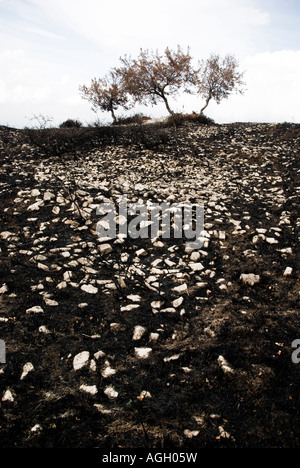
(148, 343)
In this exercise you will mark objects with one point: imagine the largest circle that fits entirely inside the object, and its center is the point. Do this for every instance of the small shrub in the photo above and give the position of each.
(180, 119)
(133, 119)
(70, 123)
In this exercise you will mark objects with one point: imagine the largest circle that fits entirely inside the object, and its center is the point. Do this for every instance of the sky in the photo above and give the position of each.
(48, 49)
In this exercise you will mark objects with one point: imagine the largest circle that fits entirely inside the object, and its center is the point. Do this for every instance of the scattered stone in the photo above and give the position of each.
(181, 288)
(288, 271)
(153, 336)
(44, 329)
(190, 434)
(3, 288)
(89, 288)
(81, 360)
(107, 371)
(143, 395)
(172, 358)
(111, 392)
(250, 278)
(225, 365)
(196, 266)
(28, 367)
(105, 248)
(91, 389)
(34, 310)
(51, 302)
(177, 302)
(36, 428)
(129, 307)
(8, 396)
(134, 297)
(142, 353)
(138, 332)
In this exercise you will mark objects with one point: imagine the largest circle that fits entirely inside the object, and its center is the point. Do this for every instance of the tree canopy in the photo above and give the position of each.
(153, 77)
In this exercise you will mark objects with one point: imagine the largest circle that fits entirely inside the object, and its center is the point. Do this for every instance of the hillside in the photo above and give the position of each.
(146, 342)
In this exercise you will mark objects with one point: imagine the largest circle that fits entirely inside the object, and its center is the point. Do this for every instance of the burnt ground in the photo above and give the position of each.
(212, 366)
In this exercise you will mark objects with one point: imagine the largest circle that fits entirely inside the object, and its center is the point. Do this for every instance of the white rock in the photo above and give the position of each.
(105, 248)
(156, 304)
(35, 192)
(134, 297)
(181, 288)
(142, 353)
(129, 307)
(35, 310)
(190, 434)
(177, 302)
(51, 302)
(153, 336)
(196, 266)
(99, 354)
(168, 310)
(55, 210)
(89, 288)
(195, 256)
(28, 367)
(48, 196)
(138, 332)
(8, 396)
(172, 358)
(111, 392)
(223, 433)
(91, 389)
(81, 360)
(250, 278)
(288, 271)
(6, 235)
(3, 288)
(36, 428)
(35, 206)
(107, 371)
(144, 394)
(43, 329)
(271, 240)
(224, 365)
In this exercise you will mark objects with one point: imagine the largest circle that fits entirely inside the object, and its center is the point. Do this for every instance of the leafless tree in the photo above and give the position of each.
(153, 77)
(218, 78)
(107, 93)
(41, 121)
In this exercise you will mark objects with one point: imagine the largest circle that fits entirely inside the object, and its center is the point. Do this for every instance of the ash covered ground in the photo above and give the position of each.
(145, 342)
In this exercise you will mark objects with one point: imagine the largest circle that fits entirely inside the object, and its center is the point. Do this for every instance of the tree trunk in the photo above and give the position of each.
(167, 104)
(113, 115)
(206, 104)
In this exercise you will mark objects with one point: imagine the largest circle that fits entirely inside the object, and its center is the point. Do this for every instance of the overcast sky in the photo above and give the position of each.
(48, 48)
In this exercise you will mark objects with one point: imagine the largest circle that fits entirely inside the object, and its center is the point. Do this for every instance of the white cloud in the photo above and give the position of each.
(272, 81)
(56, 46)
(126, 26)
(44, 33)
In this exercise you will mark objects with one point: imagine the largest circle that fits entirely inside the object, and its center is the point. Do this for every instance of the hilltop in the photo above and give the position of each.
(147, 342)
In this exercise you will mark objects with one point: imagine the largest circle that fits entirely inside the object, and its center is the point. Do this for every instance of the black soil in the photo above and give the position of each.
(247, 178)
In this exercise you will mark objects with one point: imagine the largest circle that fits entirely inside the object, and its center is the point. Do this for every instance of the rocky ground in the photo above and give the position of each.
(146, 342)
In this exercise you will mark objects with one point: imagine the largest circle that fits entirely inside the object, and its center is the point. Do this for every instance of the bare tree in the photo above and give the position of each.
(41, 121)
(108, 94)
(153, 77)
(218, 78)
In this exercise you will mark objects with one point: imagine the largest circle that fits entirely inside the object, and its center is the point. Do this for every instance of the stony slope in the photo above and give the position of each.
(146, 343)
